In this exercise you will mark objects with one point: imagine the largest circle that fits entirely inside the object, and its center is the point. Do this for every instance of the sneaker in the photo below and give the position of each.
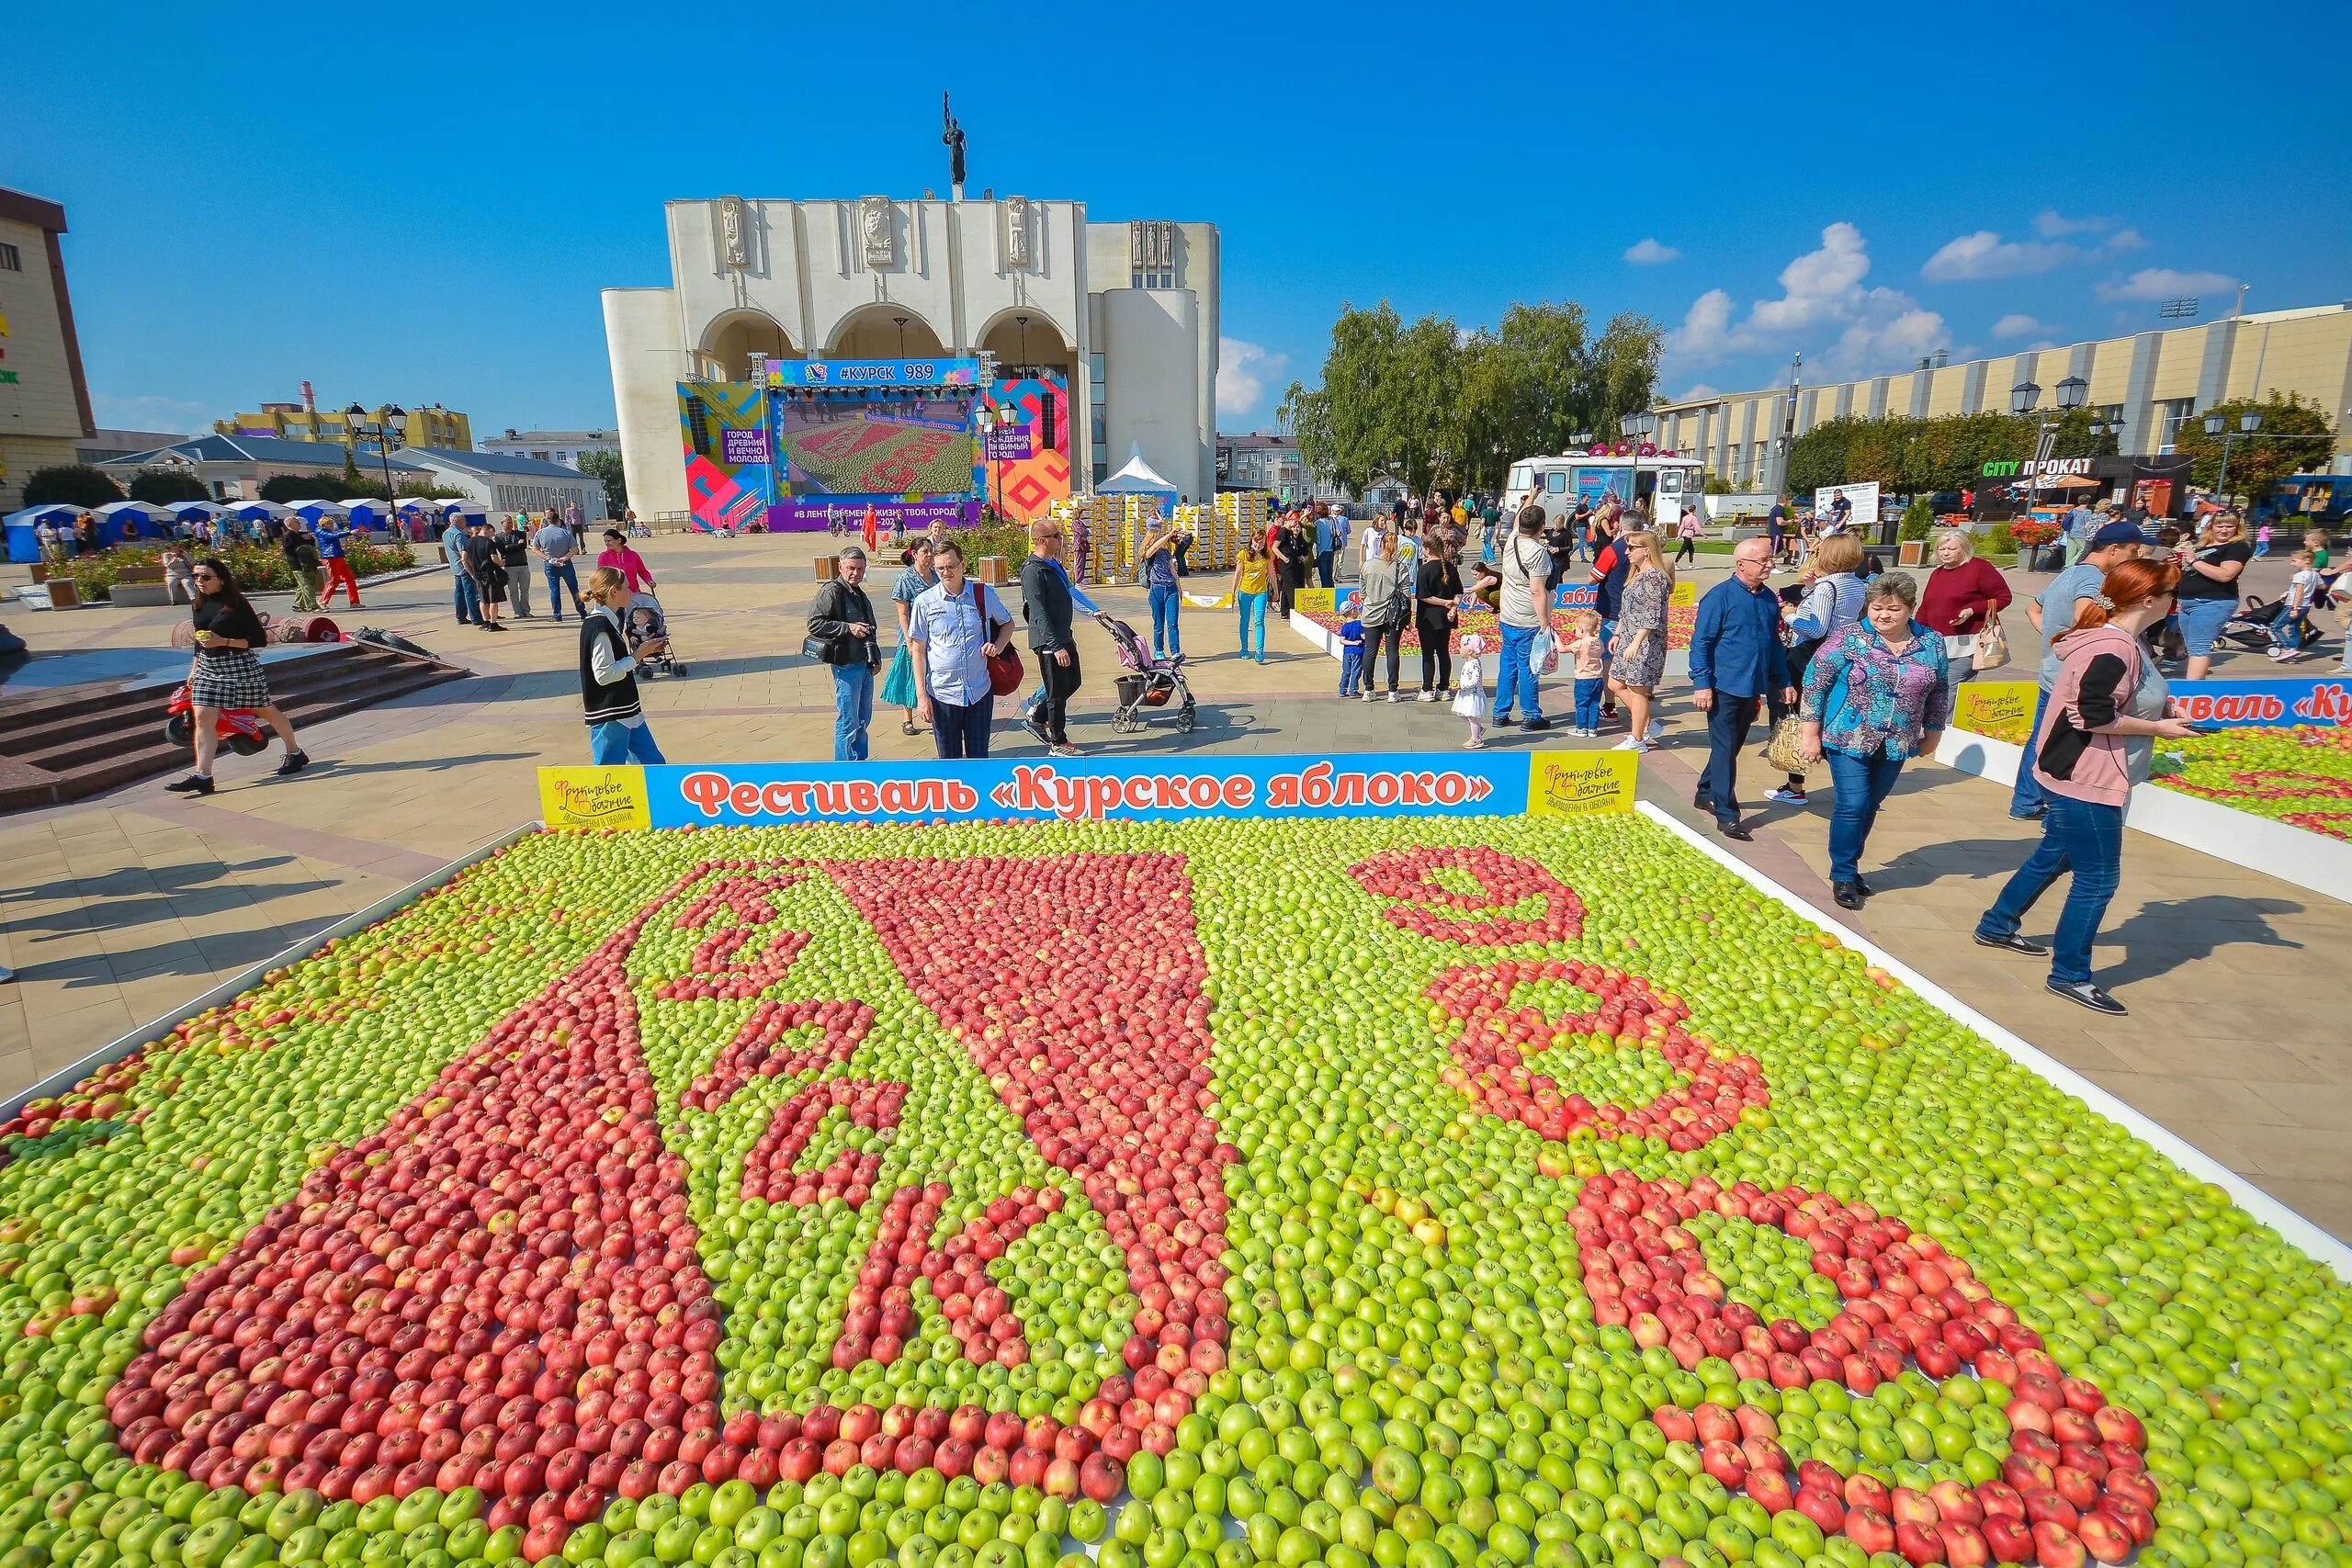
(1036, 730)
(2013, 943)
(1734, 831)
(1785, 794)
(1370, 695)
(1065, 749)
(195, 783)
(1427, 698)
(1629, 744)
(1393, 696)
(2030, 814)
(2083, 994)
(1538, 724)
(1655, 731)
(293, 762)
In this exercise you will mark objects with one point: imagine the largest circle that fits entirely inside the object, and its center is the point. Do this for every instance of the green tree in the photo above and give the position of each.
(161, 487)
(71, 484)
(607, 467)
(1621, 374)
(2257, 464)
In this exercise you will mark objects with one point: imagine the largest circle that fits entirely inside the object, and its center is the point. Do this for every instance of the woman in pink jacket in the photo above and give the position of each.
(2107, 709)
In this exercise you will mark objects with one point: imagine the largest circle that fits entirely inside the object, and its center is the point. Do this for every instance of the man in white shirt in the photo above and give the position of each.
(1525, 567)
(952, 627)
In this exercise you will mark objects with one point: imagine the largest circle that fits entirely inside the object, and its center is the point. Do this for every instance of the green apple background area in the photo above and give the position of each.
(2301, 776)
(1418, 1194)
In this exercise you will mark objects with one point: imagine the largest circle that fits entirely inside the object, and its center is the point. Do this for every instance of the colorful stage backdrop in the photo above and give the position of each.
(898, 436)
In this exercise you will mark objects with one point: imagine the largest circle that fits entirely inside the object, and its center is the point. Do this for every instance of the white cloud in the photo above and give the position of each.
(2054, 225)
(2165, 283)
(1985, 254)
(1697, 390)
(2014, 326)
(1242, 371)
(2126, 240)
(1822, 292)
(151, 411)
(1650, 252)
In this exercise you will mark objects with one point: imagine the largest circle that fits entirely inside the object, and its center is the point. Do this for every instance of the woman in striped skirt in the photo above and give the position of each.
(225, 674)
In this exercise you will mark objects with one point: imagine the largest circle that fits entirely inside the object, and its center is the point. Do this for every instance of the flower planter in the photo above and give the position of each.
(1911, 552)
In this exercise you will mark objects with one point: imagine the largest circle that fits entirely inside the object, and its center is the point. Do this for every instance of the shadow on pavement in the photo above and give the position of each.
(2160, 937)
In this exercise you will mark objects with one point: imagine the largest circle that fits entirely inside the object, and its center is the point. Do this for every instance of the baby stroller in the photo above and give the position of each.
(643, 623)
(2253, 624)
(1145, 682)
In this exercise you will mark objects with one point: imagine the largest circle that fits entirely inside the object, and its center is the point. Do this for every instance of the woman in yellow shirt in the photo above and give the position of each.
(1250, 572)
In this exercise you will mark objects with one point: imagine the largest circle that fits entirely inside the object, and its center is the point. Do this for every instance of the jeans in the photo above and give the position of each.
(957, 732)
(852, 710)
(2261, 548)
(1728, 722)
(1167, 599)
(2201, 620)
(1514, 674)
(1250, 610)
(2027, 793)
(1589, 702)
(1862, 784)
(2078, 836)
(1608, 639)
(562, 574)
(612, 744)
(468, 601)
(2290, 629)
(1351, 670)
(1391, 638)
(1061, 682)
(1323, 567)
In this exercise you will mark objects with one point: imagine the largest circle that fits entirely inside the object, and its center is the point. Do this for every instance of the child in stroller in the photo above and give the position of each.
(1146, 681)
(646, 625)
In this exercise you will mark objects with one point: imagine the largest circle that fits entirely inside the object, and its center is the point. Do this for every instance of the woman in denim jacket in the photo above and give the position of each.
(1874, 697)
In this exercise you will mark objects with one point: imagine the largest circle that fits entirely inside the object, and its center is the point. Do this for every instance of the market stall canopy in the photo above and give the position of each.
(368, 512)
(312, 510)
(2067, 481)
(1139, 478)
(256, 511)
(32, 515)
(458, 504)
(132, 512)
(192, 509)
(24, 543)
(416, 503)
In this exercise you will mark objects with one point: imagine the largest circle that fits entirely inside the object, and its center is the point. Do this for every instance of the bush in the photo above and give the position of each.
(1717, 485)
(1918, 519)
(1998, 540)
(258, 569)
(71, 484)
(161, 487)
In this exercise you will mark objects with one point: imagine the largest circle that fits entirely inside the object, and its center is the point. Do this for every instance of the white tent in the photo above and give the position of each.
(192, 509)
(312, 510)
(1139, 478)
(132, 512)
(370, 512)
(416, 503)
(258, 510)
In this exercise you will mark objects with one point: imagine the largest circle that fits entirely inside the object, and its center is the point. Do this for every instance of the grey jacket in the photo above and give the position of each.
(1386, 595)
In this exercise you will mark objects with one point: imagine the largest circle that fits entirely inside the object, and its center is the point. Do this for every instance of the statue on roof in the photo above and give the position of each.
(954, 136)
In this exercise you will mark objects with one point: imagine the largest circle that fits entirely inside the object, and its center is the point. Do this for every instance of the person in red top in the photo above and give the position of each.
(1964, 595)
(617, 555)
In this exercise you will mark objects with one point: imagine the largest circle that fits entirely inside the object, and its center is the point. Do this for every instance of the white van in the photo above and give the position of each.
(1664, 484)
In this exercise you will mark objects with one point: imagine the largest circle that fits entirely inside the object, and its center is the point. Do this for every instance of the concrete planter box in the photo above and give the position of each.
(825, 568)
(1911, 552)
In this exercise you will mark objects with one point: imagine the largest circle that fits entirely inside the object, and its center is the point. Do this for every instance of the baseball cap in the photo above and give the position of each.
(2117, 534)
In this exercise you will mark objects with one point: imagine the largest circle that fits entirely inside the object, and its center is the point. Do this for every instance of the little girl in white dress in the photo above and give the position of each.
(1470, 693)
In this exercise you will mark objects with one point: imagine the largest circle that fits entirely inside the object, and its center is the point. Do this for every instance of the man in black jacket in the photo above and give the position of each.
(842, 621)
(1045, 599)
(487, 568)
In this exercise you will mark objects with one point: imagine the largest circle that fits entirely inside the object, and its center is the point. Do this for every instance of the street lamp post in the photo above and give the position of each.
(2023, 398)
(2248, 422)
(988, 419)
(1636, 427)
(383, 432)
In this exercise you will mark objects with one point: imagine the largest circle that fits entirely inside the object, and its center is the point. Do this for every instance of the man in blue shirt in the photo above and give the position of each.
(1327, 544)
(466, 595)
(1736, 661)
(330, 540)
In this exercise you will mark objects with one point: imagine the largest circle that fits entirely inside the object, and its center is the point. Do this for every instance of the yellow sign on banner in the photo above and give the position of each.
(588, 798)
(1318, 599)
(1999, 710)
(1684, 595)
(1578, 784)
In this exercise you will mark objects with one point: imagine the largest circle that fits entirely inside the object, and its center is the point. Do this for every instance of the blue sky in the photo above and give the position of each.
(426, 211)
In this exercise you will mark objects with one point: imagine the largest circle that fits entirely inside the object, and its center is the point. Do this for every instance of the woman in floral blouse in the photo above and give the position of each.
(1875, 696)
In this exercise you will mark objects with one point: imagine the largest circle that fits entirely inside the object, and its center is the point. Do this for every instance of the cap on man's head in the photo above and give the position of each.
(2117, 534)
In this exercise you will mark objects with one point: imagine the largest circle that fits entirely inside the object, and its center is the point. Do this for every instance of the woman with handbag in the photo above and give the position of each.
(1046, 598)
(1383, 609)
(1832, 604)
(1963, 601)
(959, 629)
(1875, 696)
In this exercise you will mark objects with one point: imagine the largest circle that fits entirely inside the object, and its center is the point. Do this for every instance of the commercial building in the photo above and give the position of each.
(44, 399)
(500, 481)
(234, 468)
(435, 426)
(565, 446)
(2150, 381)
(1121, 317)
(1270, 462)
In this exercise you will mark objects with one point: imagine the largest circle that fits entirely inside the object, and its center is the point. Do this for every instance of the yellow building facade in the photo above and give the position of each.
(2152, 382)
(44, 400)
(434, 426)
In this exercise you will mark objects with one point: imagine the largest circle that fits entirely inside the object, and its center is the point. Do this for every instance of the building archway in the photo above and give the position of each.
(729, 343)
(885, 330)
(1026, 342)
